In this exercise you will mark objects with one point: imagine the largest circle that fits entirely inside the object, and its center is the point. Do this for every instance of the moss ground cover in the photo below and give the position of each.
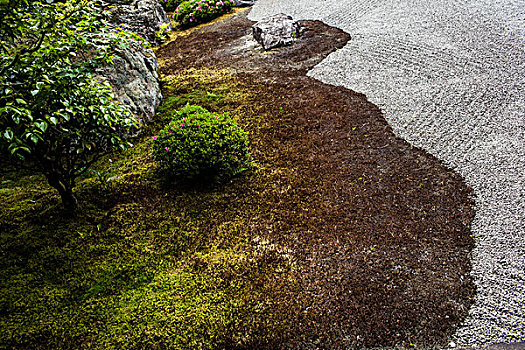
(144, 264)
(340, 236)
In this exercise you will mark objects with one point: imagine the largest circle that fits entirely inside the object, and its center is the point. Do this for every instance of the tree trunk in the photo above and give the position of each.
(69, 200)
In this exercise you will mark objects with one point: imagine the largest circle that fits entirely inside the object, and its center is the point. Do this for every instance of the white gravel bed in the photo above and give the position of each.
(449, 76)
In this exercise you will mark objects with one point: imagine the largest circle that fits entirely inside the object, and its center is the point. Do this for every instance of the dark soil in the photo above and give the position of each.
(378, 229)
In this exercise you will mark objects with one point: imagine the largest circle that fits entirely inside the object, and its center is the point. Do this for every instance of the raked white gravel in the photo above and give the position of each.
(449, 75)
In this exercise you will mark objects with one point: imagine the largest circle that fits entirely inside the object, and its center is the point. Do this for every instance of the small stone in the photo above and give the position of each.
(275, 31)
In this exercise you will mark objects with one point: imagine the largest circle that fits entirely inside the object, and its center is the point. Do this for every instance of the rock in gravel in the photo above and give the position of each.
(135, 80)
(143, 17)
(275, 31)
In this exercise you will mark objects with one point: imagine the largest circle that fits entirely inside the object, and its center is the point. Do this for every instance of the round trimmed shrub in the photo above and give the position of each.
(193, 12)
(197, 143)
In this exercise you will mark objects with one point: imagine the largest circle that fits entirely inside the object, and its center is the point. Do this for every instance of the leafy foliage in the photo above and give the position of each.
(162, 34)
(170, 5)
(193, 12)
(197, 143)
(55, 117)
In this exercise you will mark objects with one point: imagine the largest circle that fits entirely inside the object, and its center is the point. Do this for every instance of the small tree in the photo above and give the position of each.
(55, 117)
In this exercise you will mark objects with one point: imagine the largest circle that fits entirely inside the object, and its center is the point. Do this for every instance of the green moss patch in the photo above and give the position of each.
(146, 263)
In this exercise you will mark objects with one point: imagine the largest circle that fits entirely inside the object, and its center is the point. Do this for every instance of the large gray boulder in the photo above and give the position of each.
(275, 31)
(143, 17)
(134, 75)
(135, 80)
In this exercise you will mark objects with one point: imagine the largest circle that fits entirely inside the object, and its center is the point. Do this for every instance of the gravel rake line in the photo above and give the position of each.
(414, 58)
(352, 13)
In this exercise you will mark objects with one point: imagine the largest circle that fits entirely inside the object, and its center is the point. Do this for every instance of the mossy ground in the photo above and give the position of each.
(145, 263)
(339, 236)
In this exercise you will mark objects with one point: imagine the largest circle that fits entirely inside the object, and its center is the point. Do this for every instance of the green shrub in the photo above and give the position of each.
(170, 5)
(194, 12)
(197, 143)
(55, 117)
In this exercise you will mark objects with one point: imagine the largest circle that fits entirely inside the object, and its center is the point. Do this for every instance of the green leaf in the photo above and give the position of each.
(33, 138)
(21, 101)
(41, 125)
(8, 134)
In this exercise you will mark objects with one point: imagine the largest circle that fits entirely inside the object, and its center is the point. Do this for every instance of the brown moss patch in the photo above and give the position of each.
(378, 230)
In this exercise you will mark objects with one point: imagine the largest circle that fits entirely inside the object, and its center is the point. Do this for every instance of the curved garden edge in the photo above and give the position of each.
(379, 230)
